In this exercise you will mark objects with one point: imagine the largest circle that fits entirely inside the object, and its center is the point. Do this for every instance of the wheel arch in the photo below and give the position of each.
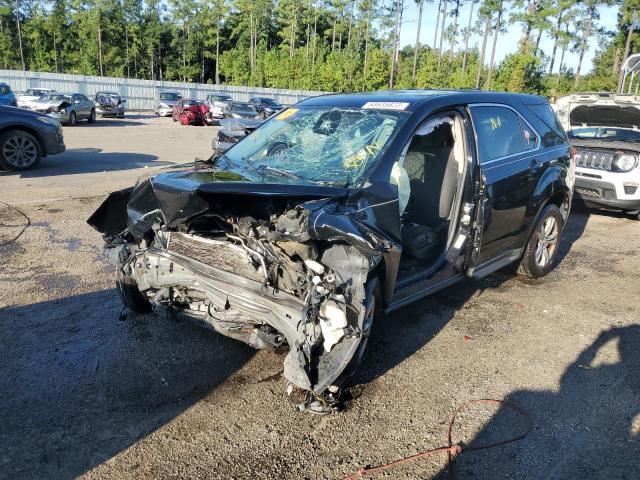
(29, 130)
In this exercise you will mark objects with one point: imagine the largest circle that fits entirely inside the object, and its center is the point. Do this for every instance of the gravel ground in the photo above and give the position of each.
(85, 395)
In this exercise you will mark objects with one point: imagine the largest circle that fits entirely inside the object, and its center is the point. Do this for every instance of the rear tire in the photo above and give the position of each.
(541, 254)
(130, 294)
(72, 119)
(19, 151)
(92, 116)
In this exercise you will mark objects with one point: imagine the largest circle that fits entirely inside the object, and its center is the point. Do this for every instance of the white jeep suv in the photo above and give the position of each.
(604, 128)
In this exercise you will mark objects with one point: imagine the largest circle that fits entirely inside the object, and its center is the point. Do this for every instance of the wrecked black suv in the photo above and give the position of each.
(338, 210)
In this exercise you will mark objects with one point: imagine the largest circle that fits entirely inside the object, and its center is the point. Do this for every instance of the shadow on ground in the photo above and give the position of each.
(589, 428)
(404, 332)
(89, 160)
(78, 386)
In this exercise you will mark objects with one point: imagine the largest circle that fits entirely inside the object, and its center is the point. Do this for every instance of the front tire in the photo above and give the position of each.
(19, 151)
(373, 313)
(541, 254)
(92, 116)
(72, 119)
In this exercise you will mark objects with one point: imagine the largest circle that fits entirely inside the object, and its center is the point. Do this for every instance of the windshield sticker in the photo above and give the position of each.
(287, 113)
(386, 105)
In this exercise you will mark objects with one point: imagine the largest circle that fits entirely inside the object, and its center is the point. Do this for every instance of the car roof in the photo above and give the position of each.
(419, 98)
(106, 92)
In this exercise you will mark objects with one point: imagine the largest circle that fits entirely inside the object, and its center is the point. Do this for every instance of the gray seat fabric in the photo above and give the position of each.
(433, 173)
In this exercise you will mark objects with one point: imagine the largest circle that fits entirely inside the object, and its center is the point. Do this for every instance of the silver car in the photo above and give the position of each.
(67, 108)
(165, 102)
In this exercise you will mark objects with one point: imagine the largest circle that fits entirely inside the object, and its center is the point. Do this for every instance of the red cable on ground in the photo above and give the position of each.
(452, 449)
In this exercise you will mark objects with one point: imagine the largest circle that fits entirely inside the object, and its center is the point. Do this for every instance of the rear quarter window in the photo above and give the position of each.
(553, 134)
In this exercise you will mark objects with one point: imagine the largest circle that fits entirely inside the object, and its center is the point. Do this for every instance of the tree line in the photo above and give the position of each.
(332, 45)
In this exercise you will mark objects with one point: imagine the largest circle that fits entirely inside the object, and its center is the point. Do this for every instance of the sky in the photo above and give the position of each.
(507, 42)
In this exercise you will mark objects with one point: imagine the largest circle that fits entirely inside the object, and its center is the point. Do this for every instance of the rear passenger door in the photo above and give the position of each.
(509, 156)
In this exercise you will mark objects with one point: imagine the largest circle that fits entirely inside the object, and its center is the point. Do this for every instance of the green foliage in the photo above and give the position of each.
(520, 72)
(334, 45)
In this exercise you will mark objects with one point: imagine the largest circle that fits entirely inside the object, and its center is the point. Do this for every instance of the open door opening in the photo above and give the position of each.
(431, 177)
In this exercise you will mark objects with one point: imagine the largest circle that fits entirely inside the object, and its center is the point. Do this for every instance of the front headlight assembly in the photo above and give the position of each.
(625, 162)
(50, 121)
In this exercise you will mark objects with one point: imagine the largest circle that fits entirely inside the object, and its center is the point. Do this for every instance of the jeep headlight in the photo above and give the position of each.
(625, 162)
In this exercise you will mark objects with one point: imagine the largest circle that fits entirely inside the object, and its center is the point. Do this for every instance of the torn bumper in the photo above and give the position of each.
(236, 306)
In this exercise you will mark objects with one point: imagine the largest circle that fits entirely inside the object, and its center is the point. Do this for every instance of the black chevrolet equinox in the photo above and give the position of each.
(339, 209)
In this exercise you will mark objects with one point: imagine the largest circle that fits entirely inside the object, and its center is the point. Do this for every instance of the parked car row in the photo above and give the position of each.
(215, 107)
(67, 108)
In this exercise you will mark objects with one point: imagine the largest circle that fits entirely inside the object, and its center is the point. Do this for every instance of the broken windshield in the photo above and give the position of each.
(328, 145)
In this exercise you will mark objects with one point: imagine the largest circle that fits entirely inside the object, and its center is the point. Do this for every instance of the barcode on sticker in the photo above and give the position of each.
(386, 105)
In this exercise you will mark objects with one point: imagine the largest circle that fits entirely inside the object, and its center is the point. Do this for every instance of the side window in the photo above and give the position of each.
(4, 90)
(529, 139)
(498, 131)
(554, 133)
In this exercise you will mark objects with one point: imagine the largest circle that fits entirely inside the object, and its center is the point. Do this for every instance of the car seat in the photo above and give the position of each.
(432, 168)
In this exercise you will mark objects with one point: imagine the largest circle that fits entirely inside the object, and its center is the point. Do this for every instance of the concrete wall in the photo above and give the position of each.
(140, 93)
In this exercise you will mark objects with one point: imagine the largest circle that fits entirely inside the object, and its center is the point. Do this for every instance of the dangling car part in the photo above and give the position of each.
(336, 210)
(109, 104)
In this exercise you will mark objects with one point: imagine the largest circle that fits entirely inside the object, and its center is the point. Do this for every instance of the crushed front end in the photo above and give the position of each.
(284, 266)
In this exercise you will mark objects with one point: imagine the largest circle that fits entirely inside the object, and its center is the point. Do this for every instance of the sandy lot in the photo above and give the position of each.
(85, 395)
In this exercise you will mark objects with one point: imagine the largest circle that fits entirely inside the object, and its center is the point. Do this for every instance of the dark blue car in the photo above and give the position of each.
(6, 96)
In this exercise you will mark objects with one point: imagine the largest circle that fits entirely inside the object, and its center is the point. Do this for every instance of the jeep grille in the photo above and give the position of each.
(598, 159)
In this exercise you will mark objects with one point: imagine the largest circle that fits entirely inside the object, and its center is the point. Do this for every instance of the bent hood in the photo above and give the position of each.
(173, 198)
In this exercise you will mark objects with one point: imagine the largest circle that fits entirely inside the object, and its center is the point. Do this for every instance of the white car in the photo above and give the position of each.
(164, 103)
(604, 128)
(29, 98)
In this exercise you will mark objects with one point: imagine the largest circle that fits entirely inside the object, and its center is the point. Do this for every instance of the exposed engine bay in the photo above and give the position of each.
(269, 271)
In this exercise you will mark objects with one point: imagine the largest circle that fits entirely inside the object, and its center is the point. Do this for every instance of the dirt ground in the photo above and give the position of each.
(83, 394)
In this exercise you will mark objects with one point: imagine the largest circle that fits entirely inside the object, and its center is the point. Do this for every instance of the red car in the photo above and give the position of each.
(190, 112)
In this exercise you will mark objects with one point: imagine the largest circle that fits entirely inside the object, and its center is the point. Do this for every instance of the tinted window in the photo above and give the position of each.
(172, 97)
(554, 134)
(35, 93)
(4, 90)
(529, 139)
(243, 108)
(498, 132)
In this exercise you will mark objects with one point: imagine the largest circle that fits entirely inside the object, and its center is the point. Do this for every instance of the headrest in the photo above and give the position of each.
(441, 136)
